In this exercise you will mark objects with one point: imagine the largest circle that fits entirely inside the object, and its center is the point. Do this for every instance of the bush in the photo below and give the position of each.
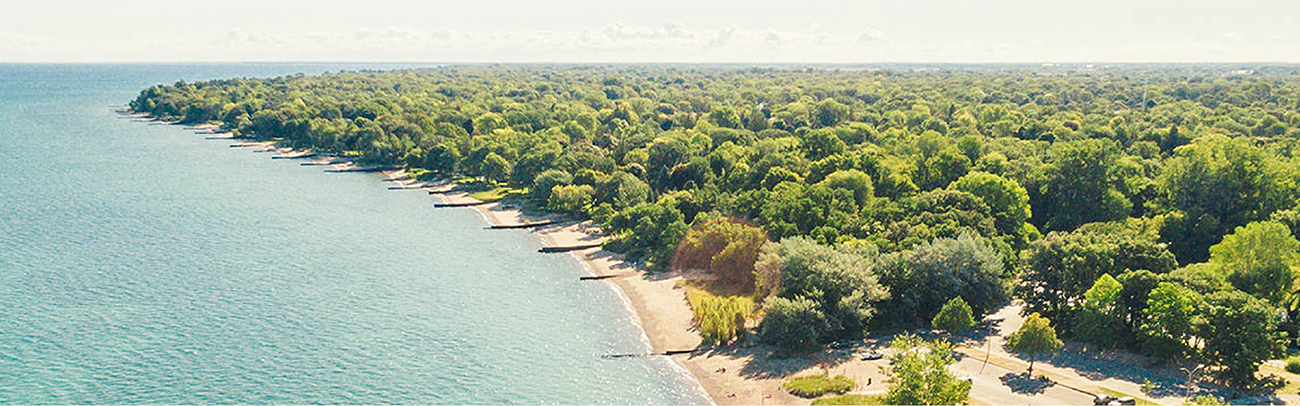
(721, 318)
(1293, 364)
(955, 316)
(792, 325)
(571, 199)
(726, 248)
(850, 399)
(816, 385)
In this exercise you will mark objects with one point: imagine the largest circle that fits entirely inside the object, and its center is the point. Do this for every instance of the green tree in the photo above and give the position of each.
(1260, 259)
(954, 317)
(1036, 337)
(822, 143)
(1171, 315)
(1057, 269)
(923, 278)
(1101, 319)
(496, 168)
(548, 180)
(570, 199)
(1007, 200)
(1214, 185)
(919, 374)
(1240, 333)
(1083, 185)
(853, 180)
(792, 325)
(840, 281)
(648, 231)
(489, 123)
(829, 112)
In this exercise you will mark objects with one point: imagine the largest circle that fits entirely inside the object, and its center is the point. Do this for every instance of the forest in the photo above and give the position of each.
(1153, 209)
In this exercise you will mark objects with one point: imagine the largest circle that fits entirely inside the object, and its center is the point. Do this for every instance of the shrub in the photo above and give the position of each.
(571, 199)
(547, 181)
(816, 385)
(721, 318)
(725, 247)
(1293, 364)
(955, 316)
(792, 325)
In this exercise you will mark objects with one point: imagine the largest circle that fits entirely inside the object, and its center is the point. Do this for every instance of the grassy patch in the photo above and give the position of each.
(1140, 400)
(721, 318)
(495, 194)
(812, 386)
(1292, 380)
(419, 173)
(1293, 364)
(850, 399)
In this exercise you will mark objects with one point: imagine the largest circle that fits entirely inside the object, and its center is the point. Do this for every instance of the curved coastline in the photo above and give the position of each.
(595, 261)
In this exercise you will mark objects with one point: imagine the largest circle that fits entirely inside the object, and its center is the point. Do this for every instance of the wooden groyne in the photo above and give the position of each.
(651, 354)
(295, 155)
(413, 186)
(325, 163)
(530, 224)
(567, 248)
(596, 278)
(459, 204)
(360, 169)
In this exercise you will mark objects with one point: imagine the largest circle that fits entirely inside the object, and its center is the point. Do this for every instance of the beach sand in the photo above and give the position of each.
(730, 375)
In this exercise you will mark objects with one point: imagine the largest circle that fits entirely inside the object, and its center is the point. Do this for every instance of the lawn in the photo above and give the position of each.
(812, 386)
(850, 399)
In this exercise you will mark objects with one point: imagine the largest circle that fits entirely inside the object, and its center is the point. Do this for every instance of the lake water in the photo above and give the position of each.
(142, 264)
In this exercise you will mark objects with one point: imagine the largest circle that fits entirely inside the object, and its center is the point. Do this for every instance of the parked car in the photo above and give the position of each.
(871, 355)
(1108, 400)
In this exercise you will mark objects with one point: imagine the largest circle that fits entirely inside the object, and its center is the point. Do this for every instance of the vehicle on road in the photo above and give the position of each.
(1107, 399)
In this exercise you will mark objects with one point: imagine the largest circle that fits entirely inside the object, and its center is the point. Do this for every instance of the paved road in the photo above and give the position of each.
(994, 386)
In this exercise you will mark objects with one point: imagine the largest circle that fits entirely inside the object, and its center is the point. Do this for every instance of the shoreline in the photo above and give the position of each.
(656, 302)
(659, 308)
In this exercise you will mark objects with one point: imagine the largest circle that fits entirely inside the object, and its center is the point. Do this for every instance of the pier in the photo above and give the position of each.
(651, 354)
(295, 155)
(460, 204)
(529, 224)
(325, 163)
(413, 186)
(360, 169)
(567, 248)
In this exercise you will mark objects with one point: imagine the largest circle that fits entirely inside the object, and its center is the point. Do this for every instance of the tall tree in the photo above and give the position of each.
(1036, 337)
(919, 374)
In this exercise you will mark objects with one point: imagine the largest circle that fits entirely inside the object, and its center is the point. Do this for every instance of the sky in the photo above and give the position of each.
(756, 31)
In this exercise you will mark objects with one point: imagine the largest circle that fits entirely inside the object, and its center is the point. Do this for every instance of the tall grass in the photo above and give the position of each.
(721, 318)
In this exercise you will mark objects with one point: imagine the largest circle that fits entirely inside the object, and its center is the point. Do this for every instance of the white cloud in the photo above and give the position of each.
(872, 35)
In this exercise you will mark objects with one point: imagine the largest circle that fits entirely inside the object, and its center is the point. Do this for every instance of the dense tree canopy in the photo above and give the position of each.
(1165, 191)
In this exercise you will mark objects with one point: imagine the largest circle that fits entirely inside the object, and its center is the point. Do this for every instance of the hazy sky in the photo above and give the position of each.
(652, 31)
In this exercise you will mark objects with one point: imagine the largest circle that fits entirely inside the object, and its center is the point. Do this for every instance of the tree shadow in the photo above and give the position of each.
(763, 362)
(1023, 384)
(1093, 364)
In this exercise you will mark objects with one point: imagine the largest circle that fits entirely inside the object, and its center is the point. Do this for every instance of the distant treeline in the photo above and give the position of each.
(1148, 208)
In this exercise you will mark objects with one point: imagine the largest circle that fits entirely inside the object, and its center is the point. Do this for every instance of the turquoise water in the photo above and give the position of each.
(142, 264)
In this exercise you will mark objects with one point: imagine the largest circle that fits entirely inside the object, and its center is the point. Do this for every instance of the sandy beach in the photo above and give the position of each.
(732, 375)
